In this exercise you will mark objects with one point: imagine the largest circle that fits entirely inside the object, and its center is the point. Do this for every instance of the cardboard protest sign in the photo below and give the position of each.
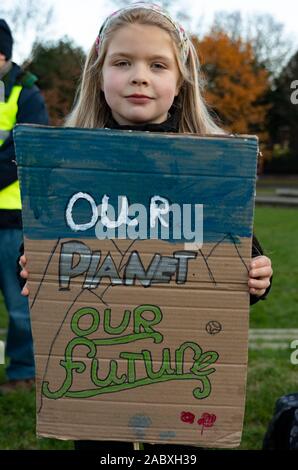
(138, 248)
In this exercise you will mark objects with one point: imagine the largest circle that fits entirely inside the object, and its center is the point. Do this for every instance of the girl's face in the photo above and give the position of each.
(140, 74)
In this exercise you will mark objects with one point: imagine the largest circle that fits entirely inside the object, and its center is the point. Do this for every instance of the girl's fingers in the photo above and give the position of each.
(259, 283)
(25, 290)
(23, 260)
(24, 274)
(257, 292)
(261, 272)
(260, 262)
(22, 263)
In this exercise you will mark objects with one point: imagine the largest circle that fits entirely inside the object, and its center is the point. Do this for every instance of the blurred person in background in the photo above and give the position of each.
(23, 103)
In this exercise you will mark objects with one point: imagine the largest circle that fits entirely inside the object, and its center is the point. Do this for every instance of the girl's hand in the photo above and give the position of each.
(260, 272)
(24, 274)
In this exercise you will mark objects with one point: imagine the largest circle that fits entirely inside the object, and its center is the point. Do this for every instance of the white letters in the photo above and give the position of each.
(165, 221)
(123, 217)
(156, 211)
(69, 218)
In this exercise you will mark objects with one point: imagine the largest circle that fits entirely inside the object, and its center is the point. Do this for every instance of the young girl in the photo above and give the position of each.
(142, 73)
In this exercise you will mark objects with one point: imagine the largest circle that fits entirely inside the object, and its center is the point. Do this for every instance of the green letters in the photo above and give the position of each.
(142, 329)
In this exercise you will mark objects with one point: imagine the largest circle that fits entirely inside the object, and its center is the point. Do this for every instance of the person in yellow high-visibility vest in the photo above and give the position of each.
(22, 102)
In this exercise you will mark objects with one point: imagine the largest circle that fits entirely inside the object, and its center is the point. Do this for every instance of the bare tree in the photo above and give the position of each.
(28, 19)
(272, 46)
(173, 6)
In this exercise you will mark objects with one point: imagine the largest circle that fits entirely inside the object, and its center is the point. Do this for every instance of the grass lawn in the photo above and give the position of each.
(270, 373)
(17, 424)
(277, 231)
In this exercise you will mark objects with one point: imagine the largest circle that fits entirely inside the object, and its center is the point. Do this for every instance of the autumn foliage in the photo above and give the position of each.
(235, 84)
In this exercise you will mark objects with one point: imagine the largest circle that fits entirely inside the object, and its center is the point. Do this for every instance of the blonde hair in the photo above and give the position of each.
(91, 109)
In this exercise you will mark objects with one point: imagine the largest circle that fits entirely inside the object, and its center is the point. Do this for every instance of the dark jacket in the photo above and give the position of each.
(31, 110)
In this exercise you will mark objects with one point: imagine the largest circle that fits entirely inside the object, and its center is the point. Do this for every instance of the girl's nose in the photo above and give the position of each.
(139, 81)
(139, 75)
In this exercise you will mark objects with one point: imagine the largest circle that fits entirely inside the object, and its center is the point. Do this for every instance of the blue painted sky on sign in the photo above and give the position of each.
(55, 165)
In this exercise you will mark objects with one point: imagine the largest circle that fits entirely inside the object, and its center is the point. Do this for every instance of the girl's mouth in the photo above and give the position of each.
(139, 98)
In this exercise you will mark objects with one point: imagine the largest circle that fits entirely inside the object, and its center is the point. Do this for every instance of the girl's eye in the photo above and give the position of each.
(123, 63)
(158, 66)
